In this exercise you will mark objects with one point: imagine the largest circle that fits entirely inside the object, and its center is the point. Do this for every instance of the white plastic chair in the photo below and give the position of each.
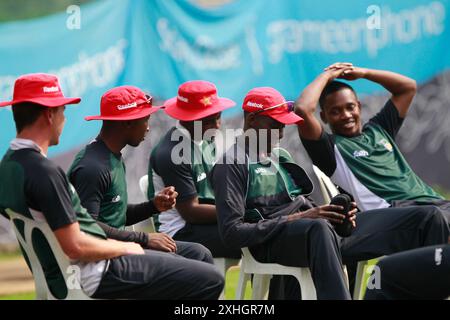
(143, 186)
(42, 290)
(327, 187)
(223, 264)
(263, 272)
(329, 190)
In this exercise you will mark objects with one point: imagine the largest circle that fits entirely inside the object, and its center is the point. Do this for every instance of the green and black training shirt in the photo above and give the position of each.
(370, 166)
(255, 196)
(98, 175)
(35, 187)
(181, 162)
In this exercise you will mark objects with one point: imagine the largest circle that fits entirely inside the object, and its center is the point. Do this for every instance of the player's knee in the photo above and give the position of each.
(434, 213)
(322, 227)
(213, 282)
(202, 253)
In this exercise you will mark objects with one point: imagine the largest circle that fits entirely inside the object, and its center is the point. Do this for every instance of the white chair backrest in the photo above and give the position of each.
(329, 190)
(74, 291)
(143, 184)
(327, 187)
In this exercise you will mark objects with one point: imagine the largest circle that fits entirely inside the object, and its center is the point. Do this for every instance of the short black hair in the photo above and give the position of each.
(25, 114)
(333, 87)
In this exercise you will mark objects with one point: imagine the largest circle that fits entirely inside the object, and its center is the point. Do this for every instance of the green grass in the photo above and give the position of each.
(231, 281)
(5, 256)
(230, 288)
(19, 296)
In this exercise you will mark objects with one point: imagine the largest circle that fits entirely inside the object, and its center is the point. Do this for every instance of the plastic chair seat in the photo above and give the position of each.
(42, 290)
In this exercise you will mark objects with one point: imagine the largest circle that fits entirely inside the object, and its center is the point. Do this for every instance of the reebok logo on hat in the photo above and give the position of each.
(124, 103)
(127, 106)
(50, 89)
(39, 88)
(255, 105)
(267, 101)
(183, 99)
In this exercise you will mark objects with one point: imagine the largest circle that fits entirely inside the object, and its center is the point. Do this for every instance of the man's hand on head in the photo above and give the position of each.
(338, 70)
(353, 73)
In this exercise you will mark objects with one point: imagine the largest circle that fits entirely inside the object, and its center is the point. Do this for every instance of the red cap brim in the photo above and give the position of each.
(173, 110)
(287, 118)
(46, 102)
(131, 116)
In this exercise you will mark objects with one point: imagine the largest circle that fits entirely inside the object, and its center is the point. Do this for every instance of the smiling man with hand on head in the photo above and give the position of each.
(364, 160)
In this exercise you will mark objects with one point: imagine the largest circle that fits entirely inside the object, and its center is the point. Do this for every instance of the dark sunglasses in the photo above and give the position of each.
(149, 99)
(290, 107)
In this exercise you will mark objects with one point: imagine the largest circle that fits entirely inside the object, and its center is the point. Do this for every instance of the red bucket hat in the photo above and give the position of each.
(39, 88)
(269, 102)
(124, 103)
(196, 100)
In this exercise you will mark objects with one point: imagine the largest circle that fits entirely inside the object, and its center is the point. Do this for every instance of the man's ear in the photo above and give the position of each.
(251, 119)
(323, 117)
(48, 114)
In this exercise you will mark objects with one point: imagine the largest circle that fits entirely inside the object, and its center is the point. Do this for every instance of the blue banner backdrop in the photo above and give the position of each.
(158, 44)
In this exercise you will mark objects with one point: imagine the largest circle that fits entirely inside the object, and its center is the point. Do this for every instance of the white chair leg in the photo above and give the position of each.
(308, 290)
(220, 263)
(347, 281)
(260, 286)
(40, 285)
(242, 283)
(265, 286)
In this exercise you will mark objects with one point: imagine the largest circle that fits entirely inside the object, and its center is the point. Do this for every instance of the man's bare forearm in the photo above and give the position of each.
(395, 83)
(198, 213)
(307, 102)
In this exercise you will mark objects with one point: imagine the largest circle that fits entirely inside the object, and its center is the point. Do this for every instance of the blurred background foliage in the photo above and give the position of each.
(11, 10)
